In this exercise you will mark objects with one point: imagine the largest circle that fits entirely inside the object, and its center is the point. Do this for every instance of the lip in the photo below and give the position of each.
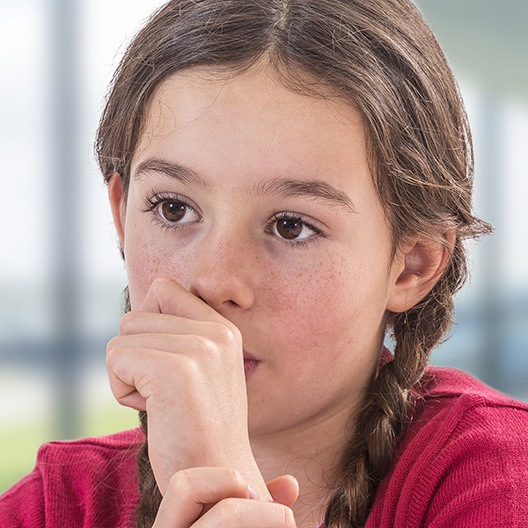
(250, 365)
(249, 357)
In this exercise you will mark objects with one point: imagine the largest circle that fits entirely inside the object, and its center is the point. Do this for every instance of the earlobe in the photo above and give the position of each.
(117, 204)
(418, 269)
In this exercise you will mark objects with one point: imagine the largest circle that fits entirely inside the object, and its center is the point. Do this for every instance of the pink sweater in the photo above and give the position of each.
(463, 463)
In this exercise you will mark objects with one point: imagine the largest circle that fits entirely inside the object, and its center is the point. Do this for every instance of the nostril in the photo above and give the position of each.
(223, 292)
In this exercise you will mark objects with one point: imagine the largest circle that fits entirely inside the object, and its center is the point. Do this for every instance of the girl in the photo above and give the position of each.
(289, 180)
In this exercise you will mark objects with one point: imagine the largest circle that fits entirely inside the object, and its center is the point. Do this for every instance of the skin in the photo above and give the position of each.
(222, 279)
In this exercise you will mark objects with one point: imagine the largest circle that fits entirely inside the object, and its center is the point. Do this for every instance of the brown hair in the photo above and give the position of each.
(381, 56)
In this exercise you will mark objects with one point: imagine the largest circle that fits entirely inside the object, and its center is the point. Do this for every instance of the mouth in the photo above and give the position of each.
(250, 365)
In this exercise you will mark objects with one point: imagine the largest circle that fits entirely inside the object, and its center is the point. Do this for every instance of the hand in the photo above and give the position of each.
(217, 497)
(182, 362)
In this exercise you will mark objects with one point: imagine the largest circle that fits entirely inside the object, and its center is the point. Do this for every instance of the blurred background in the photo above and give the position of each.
(61, 276)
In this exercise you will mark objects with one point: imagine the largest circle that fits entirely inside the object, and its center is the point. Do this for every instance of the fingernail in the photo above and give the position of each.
(252, 493)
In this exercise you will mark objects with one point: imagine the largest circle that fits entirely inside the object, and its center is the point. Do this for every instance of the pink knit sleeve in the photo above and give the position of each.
(87, 482)
(484, 473)
(464, 463)
(23, 504)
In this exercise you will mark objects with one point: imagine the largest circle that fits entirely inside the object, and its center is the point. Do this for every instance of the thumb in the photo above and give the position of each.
(284, 489)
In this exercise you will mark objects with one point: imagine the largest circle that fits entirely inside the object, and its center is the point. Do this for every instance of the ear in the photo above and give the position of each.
(417, 269)
(118, 206)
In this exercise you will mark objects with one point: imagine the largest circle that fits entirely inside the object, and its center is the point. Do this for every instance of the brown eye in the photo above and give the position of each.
(289, 228)
(170, 211)
(293, 228)
(173, 211)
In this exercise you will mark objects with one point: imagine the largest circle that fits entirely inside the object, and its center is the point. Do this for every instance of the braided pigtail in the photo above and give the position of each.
(390, 398)
(150, 495)
(148, 488)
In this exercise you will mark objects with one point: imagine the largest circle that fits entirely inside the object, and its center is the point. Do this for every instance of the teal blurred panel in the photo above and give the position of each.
(486, 39)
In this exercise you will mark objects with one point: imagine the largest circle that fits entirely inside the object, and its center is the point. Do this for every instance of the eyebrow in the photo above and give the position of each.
(317, 189)
(285, 187)
(170, 169)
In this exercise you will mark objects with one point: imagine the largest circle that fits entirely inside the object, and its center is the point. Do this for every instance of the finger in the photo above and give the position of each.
(199, 346)
(138, 322)
(171, 343)
(190, 490)
(125, 376)
(155, 323)
(136, 374)
(284, 489)
(246, 514)
(194, 347)
(167, 296)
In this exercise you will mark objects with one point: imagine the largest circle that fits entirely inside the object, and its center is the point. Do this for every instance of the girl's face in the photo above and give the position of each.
(260, 201)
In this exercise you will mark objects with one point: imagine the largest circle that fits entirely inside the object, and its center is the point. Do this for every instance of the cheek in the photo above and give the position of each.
(147, 260)
(140, 277)
(335, 308)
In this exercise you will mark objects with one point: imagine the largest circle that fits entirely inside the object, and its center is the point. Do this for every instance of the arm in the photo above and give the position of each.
(464, 463)
(182, 362)
(484, 472)
(23, 504)
(217, 497)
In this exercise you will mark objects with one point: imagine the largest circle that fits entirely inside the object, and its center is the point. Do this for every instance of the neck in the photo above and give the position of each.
(312, 454)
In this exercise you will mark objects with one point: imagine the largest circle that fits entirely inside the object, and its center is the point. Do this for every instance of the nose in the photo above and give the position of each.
(222, 274)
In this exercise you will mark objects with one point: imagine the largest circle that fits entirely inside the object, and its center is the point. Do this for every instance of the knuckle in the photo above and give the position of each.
(189, 368)
(110, 354)
(111, 345)
(236, 479)
(178, 483)
(160, 285)
(289, 519)
(229, 512)
(234, 333)
(203, 344)
(226, 334)
(113, 358)
(286, 517)
(127, 323)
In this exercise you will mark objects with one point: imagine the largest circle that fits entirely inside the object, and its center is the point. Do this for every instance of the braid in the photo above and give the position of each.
(148, 488)
(390, 398)
(150, 495)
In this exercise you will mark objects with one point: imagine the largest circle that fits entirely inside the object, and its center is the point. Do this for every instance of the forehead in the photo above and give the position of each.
(259, 94)
(251, 125)
(259, 83)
